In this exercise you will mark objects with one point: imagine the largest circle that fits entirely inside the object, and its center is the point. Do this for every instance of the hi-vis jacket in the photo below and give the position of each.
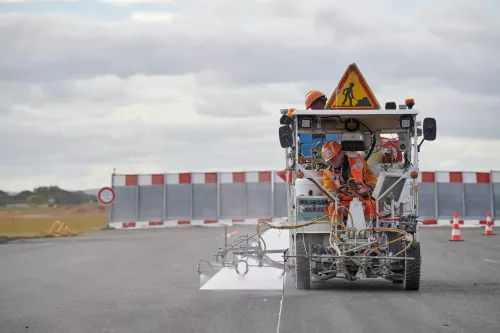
(358, 169)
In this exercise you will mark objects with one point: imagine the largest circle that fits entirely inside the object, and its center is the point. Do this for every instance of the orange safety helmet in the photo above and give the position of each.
(312, 96)
(290, 112)
(330, 150)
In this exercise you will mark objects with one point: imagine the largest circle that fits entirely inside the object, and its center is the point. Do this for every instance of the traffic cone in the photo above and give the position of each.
(488, 231)
(455, 232)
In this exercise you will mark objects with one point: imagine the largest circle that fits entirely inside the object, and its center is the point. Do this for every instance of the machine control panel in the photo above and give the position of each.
(311, 208)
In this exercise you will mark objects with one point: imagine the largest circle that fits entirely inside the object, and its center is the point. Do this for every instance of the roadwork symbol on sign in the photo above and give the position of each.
(106, 195)
(353, 92)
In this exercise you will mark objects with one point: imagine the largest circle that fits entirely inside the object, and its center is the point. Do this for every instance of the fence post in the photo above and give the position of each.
(492, 196)
(137, 199)
(245, 196)
(191, 196)
(164, 203)
(436, 201)
(218, 195)
(463, 197)
(110, 207)
(273, 211)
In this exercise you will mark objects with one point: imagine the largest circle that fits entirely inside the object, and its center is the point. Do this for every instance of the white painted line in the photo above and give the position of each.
(493, 261)
(257, 278)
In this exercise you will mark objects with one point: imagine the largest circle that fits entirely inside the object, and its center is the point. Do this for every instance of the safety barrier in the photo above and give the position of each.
(213, 198)
(197, 199)
(471, 194)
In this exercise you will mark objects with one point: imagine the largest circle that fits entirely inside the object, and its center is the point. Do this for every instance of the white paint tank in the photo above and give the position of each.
(303, 187)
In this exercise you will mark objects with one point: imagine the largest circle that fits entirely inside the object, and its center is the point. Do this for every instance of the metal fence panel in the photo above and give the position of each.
(205, 201)
(496, 201)
(427, 200)
(258, 200)
(125, 206)
(495, 192)
(280, 205)
(232, 200)
(477, 200)
(178, 201)
(449, 196)
(151, 202)
(252, 195)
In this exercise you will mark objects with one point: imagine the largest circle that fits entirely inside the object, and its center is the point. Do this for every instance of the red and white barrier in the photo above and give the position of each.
(183, 223)
(266, 176)
(271, 177)
(138, 180)
(236, 222)
(194, 177)
(447, 222)
(454, 177)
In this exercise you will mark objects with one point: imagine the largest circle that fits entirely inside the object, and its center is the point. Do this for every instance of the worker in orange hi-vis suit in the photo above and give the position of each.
(341, 169)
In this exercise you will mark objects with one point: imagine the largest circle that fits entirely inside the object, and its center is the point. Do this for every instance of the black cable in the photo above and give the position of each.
(373, 141)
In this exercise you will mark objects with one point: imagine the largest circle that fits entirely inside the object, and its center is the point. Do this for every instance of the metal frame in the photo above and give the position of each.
(360, 114)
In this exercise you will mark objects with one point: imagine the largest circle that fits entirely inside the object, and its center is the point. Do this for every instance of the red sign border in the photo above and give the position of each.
(106, 202)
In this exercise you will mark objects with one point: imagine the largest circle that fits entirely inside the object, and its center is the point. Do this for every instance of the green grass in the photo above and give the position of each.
(36, 221)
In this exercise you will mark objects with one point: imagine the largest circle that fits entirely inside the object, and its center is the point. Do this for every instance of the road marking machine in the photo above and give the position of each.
(354, 231)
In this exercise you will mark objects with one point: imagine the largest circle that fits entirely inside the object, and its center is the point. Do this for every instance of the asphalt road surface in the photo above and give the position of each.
(146, 281)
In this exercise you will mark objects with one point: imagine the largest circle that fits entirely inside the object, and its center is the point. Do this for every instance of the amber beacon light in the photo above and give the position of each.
(410, 102)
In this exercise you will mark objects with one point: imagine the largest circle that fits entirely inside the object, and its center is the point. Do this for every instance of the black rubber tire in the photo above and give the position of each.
(302, 265)
(412, 268)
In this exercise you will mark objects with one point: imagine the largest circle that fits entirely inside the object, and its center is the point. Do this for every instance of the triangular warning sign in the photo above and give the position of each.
(353, 92)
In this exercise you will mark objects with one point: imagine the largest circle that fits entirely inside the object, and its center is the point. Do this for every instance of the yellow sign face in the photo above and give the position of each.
(352, 92)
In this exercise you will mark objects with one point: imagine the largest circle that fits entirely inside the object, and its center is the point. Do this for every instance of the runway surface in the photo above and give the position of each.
(146, 281)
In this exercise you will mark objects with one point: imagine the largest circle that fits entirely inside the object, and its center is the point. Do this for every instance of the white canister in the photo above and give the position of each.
(303, 186)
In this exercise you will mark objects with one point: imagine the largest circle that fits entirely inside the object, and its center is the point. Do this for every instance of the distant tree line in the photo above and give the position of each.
(45, 195)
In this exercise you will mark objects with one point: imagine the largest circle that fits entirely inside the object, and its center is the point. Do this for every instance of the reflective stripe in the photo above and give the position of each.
(355, 171)
(334, 178)
(358, 164)
(356, 168)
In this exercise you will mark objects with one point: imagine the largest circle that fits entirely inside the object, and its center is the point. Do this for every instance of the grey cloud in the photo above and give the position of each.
(228, 104)
(68, 158)
(74, 94)
(242, 56)
(136, 141)
(472, 123)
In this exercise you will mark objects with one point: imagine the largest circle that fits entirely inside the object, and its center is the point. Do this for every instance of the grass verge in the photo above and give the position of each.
(27, 223)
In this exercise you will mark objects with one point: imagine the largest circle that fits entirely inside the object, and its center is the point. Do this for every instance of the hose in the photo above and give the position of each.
(331, 229)
(332, 233)
(393, 241)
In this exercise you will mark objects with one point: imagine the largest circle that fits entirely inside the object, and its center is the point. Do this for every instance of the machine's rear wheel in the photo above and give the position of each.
(302, 264)
(412, 268)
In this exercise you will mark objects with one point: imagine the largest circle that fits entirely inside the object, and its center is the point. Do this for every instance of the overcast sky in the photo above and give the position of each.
(196, 85)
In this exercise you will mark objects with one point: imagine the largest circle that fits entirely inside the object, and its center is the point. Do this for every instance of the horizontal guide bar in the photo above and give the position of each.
(237, 251)
(354, 257)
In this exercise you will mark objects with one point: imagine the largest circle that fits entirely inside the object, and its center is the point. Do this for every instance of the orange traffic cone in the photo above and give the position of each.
(455, 232)
(488, 231)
